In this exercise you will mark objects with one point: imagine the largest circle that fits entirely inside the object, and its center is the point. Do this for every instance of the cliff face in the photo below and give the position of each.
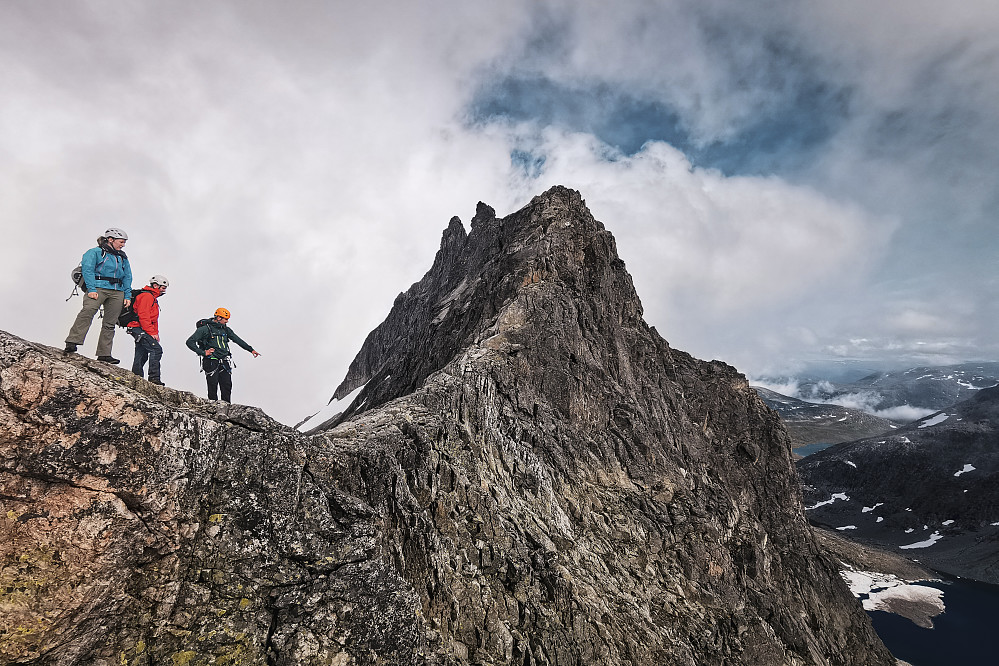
(529, 475)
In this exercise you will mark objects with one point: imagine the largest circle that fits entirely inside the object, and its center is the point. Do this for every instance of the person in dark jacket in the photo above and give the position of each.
(146, 331)
(108, 279)
(211, 343)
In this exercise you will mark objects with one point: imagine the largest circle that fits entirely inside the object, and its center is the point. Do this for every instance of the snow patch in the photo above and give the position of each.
(947, 522)
(936, 536)
(851, 463)
(881, 600)
(964, 470)
(868, 509)
(879, 591)
(939, 418)
(334, 408)
(835, 496)
(847, 527)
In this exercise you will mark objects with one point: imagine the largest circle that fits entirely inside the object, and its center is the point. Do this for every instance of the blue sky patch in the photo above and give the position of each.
(779, 142)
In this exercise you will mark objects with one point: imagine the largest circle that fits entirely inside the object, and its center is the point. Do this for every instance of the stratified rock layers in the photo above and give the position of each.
(530, 475)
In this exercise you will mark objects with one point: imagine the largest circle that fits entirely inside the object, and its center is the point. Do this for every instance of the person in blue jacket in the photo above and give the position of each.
(108, 279)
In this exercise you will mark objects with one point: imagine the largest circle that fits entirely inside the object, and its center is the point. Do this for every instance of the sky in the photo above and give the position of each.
(789, 181)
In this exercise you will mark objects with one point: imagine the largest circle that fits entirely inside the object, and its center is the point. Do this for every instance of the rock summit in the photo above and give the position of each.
(528, 474)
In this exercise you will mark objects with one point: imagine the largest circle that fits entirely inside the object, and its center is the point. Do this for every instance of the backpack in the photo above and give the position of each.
(76, 275)
(79, 284)
(128, 314)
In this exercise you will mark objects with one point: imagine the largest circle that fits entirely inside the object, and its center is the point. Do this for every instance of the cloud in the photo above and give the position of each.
(824, 392)
(789, 386)
(278, 161)
(705, 249)
(780, 181)
(903, 413)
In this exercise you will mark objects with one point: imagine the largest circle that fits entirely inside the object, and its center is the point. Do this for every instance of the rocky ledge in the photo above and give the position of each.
(528, 474)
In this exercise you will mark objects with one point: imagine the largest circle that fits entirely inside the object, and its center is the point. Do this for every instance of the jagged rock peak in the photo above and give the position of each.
(557, 438)
(483, 214)
(554, 239)
(531, 475)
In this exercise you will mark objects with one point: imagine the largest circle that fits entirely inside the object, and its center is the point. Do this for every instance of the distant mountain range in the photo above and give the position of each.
(820, 411)
(929, 388)
(929, 490)
(810, 423)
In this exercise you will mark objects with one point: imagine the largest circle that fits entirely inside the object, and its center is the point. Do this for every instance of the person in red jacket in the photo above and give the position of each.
(146, 331)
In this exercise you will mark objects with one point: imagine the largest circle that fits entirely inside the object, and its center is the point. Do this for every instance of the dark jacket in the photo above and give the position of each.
(213, 334)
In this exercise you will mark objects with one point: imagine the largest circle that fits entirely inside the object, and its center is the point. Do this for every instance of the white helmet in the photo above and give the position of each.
(115, 232)
(160, 280)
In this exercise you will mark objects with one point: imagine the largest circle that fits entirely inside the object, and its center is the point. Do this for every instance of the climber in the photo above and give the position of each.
(211, 342)
(108, 279)
(145, 328)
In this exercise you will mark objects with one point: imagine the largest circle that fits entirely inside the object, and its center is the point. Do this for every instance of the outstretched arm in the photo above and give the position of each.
(239, 341)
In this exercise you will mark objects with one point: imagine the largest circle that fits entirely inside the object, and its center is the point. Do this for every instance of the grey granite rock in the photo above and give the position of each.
(530, 475)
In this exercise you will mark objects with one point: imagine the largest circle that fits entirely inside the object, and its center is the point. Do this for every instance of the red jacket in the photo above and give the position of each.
(148, 310)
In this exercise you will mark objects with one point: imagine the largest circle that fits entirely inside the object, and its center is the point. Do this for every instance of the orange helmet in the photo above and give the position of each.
(222, 312)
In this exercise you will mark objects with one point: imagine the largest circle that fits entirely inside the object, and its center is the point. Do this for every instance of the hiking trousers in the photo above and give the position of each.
(219, 376)
(146, 348)
(112, 300)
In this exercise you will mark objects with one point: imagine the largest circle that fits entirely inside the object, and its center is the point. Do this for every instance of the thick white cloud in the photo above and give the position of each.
(296, 162)
(709, 252)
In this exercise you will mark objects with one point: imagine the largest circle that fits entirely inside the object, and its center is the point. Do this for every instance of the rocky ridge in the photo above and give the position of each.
(529, 474)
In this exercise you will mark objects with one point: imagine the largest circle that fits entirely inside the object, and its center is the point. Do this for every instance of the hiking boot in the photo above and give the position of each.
(157, 382)
(70, 348)
(109, 359)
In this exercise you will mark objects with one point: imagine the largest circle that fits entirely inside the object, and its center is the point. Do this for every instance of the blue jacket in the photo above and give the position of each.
(98, 265)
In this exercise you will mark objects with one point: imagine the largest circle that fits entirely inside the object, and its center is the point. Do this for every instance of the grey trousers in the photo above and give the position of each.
(112, 300)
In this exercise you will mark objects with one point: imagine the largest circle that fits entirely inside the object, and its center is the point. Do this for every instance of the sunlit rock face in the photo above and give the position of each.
(928, 490)
(529, 475)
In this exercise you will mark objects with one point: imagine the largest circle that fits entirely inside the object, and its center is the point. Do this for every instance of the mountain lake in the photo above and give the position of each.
(809, 449)
(965, 633)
